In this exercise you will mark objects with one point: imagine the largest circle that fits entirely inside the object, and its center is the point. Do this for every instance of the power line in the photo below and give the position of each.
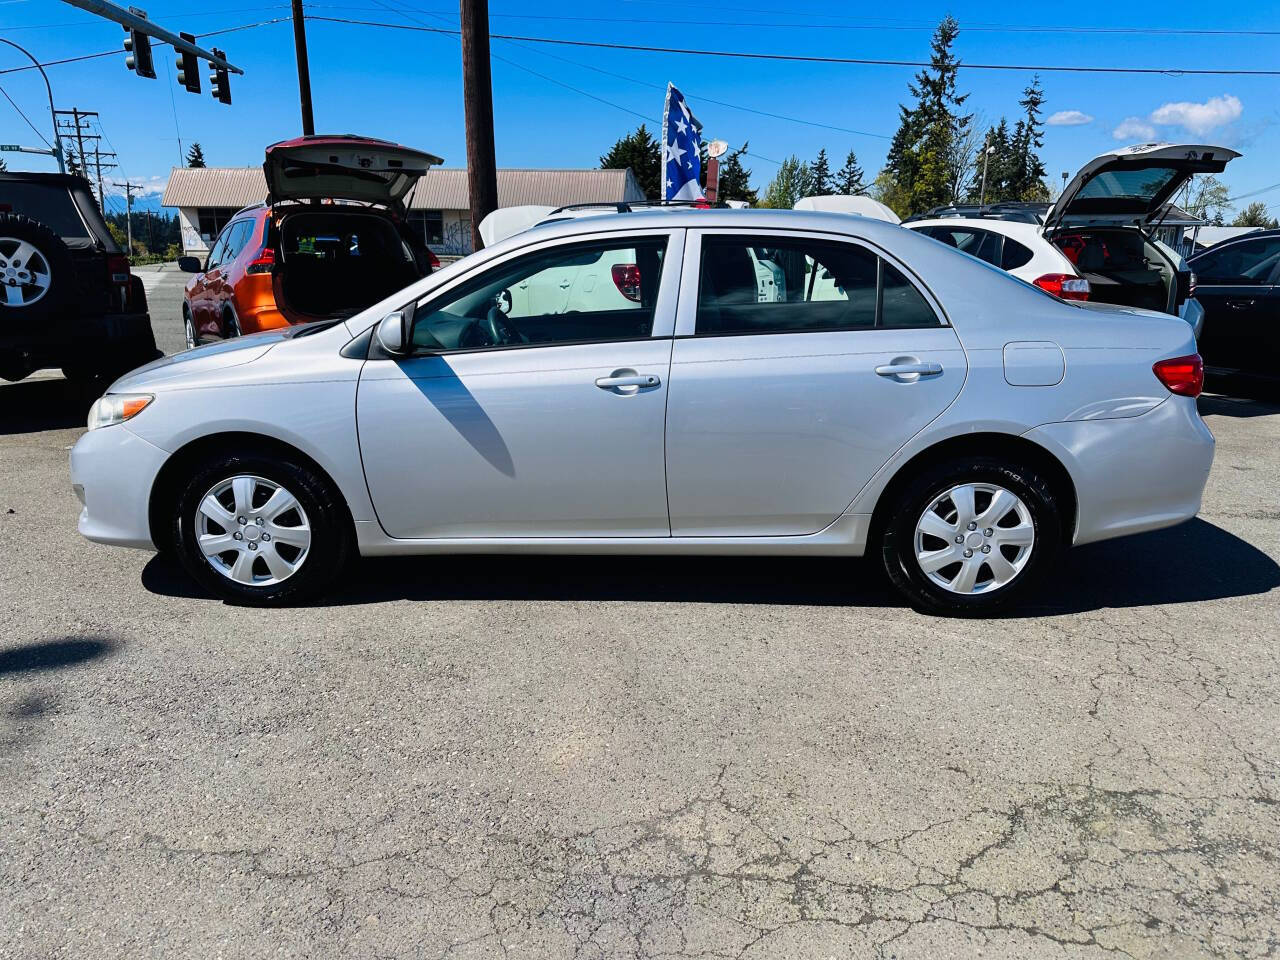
(1254, 193)
(34, 128)
(798, 58)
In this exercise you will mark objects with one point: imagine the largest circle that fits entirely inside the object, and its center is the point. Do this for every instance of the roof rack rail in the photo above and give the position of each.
(626, 206)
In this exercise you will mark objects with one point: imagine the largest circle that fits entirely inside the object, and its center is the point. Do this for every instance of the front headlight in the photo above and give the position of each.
(117, 408)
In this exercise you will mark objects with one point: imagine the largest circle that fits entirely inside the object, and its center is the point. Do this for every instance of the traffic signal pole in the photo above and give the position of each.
(304, 69)
(53, 114)
(477, 93)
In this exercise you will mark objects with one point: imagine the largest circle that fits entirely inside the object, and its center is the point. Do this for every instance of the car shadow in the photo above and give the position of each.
(1154, 568)
(53, 654)
(1239, 385)
(32, 406)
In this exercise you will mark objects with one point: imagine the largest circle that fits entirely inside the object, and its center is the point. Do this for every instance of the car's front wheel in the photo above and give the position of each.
(966, 537)
(261, 529)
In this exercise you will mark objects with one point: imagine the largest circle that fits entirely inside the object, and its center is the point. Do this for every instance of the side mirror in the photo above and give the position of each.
(189, 264)
(393, 333)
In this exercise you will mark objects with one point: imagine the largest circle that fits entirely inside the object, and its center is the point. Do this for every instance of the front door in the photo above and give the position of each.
(517, 420)
(1236, 285)
(780, 411)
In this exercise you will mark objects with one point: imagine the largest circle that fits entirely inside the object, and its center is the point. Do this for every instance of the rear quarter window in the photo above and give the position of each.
(47, 203)
(1014, 255)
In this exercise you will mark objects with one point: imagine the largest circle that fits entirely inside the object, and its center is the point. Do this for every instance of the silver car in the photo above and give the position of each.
(929, 409)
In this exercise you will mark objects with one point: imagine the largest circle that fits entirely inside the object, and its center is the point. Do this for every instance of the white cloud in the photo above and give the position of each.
(1134, 128)
(1199, 118)
(151, 186)
(1069, 118)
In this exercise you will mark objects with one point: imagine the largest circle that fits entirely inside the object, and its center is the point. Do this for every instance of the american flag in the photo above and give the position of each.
(681, 149)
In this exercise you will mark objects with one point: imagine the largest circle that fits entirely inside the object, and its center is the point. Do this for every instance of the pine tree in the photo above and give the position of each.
(788, 185)
(195, 156)
(921, 158)
(1028, 139)
(849, 179)
(1000, 163)
(1254, 215)
(3, 166)
(643, 154)
(820, 176)
(72, 161)
(735, 179)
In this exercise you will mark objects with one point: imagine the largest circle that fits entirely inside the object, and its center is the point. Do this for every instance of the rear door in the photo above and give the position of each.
(1237, 286)
(779, 412)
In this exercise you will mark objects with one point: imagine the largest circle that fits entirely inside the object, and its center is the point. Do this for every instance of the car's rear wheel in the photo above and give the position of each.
(261, 529)
(189, 328)
(966, 537)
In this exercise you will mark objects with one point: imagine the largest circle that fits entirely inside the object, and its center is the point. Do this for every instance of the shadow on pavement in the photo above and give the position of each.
(53, 654)
(1166, 566)
(1217, 405)
(34, 405)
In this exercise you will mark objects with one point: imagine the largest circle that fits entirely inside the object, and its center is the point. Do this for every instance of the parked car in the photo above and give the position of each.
(330, 239)
(955, 423)
(1096, 241)
(69, 299)
(1239, 286)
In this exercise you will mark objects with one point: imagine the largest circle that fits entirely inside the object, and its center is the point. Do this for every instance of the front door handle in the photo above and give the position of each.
(634, 380)
(908, 370)
(1240, 304)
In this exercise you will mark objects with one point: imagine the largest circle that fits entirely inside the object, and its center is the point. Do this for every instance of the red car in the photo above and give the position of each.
(330, 239)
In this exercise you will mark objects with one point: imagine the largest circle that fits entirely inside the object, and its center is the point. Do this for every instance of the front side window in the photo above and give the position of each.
(581, 293)
(764, 286)
(1240, 264)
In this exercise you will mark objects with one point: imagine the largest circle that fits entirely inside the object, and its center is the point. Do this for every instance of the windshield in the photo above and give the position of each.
(1137, 184)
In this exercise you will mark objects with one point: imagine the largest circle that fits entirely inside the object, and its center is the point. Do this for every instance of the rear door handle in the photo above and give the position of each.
(636, 380)
(912, 369)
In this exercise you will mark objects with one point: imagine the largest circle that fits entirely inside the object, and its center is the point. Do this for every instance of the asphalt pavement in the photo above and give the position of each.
(654, 757)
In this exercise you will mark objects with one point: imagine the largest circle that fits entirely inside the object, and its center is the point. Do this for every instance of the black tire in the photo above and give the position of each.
(332, 539)
(60, 297)
(898, 540)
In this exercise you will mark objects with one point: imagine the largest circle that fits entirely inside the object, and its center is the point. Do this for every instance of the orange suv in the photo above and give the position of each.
(330, 239)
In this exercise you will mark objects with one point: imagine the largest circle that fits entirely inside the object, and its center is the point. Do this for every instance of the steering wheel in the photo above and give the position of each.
(499, 327)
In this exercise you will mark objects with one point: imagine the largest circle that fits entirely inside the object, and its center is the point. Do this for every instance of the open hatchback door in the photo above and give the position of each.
(344, 168)
(1130, 186)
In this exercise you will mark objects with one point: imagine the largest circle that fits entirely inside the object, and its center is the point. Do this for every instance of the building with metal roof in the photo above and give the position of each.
(207, 197)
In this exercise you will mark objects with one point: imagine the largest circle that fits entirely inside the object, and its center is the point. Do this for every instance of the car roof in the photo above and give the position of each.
(1270, 233)
(52, 179)
(1013, 228)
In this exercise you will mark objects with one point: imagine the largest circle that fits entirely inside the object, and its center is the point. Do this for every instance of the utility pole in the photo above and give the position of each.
(78, 127)
(987, 151)
(128, 212)
(304, 69)
(477, 92)
(98, 165)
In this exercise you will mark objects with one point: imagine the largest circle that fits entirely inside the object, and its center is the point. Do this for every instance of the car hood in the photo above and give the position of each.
(344, 168)
(189, 363)
(1131, 185)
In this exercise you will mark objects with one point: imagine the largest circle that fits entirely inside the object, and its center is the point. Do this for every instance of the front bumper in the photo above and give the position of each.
(1136, 473)
(112, 472)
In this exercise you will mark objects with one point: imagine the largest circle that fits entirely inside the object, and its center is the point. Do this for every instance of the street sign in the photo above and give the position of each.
(15, 148)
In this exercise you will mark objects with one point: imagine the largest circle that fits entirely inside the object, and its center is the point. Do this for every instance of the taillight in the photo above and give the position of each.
(432, 260)
(118, 276)
(1065, 285)
(263, 262)
(1181, 375)
(626, 277)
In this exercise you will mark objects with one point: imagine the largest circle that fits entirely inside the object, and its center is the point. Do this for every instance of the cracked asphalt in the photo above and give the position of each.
(697, 758)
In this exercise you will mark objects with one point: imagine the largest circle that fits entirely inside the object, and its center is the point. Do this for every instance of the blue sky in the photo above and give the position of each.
(406, 86)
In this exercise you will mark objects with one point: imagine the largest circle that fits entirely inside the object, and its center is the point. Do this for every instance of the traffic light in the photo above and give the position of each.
(188, 67)
(219, 83)
(138, 45)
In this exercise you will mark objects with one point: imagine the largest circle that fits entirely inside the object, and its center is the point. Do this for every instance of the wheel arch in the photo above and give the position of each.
(168, 483)
(1003, 445)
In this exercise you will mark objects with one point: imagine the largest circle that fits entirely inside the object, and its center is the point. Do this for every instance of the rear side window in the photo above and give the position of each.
(982, 244)
(765, 286)
(49, 204)
(1014, 255)
(1240, 264)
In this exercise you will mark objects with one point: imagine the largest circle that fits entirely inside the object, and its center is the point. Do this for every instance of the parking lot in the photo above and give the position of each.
(657, 757)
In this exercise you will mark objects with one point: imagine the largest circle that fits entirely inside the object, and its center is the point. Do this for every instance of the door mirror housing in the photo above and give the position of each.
(189, 264)
(393, 333)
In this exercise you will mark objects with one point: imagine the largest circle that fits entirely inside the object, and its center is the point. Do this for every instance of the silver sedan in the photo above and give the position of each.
(675, 381)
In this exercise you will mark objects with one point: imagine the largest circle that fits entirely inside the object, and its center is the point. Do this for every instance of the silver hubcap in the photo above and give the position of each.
(252, 531)
(24, 273)
(975, 538)
(191, 331)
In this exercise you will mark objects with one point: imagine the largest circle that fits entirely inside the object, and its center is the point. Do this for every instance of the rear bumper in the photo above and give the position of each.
(1192, 312)
(81, 338)
(1133, 474)
(112, 472)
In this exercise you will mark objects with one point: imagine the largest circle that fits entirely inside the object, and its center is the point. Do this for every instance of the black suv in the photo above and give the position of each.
(67, 298)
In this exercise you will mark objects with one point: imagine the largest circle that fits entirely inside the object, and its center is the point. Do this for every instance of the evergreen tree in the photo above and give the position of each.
(735, 179)
(848, 180)
(1255, 215)
(72, 161)
(643, 154)
(920, 155)
(1000, 166)
(3, 166)
(821, 183)
(195, 156)
(1028, 139)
